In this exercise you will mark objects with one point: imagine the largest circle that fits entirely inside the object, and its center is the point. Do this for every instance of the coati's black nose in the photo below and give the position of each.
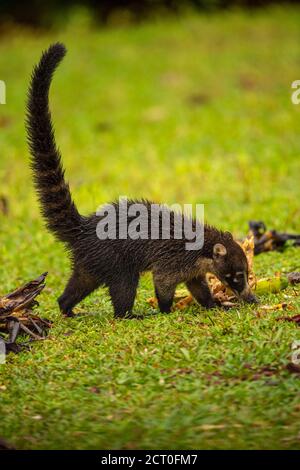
(251, 299)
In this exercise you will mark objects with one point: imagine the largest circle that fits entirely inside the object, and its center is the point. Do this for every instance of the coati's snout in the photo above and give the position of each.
(231, 267)
(248, 296)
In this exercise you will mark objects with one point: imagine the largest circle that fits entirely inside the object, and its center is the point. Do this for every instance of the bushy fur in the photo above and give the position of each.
(118, 263)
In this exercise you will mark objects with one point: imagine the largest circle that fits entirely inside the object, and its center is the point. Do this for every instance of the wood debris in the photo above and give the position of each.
(294, 318)
(270, 240)
(17, 316)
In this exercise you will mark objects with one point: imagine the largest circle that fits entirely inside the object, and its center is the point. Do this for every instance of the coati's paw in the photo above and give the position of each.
(70, 314)
(165, 311)
(165, 307)
(213, 303)
(224, 306)
(252, 299)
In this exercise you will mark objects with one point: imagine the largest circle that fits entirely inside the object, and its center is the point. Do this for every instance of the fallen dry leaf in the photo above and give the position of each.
(37, 417)
(22, 297)
(295, 318)
(152, 301)
(280, 306)
(294, 368)
(271, 308)
(184, 302)
(212, 427)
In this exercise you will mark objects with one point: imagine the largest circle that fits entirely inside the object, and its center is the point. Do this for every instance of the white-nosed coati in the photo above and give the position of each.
(118, 263)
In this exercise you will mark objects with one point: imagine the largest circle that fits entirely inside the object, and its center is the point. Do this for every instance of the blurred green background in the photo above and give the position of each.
(182, 106)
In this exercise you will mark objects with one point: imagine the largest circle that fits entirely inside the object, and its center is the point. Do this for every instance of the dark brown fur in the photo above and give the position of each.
(118, 263)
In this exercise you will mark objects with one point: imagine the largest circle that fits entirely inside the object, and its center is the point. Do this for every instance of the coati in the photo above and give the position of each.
(117, 264)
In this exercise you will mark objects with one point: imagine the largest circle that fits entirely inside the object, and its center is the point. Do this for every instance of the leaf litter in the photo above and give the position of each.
(17, 316)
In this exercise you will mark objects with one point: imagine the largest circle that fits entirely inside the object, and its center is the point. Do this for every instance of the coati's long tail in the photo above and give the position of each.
(57, 206)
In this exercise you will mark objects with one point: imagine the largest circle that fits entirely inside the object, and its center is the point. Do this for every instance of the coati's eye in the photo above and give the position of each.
(239, 276)
(236, 277)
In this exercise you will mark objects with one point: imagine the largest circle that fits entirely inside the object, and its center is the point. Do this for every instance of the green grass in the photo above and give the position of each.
(128, 123)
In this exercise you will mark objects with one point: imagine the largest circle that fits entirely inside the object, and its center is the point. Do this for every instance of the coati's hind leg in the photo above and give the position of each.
(79, 286)
(164, 292)
(200, 290)
(122, 292)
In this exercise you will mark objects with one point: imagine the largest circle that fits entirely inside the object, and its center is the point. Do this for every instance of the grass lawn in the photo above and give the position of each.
(190, 110)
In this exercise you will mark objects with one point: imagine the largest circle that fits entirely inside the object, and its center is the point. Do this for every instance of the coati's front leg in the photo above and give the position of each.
(200, 290)
(164, 292)
(123, 292)
(79, 286)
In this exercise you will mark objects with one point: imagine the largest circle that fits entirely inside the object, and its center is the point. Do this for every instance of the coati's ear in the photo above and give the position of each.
(219, 250)
(229, 235)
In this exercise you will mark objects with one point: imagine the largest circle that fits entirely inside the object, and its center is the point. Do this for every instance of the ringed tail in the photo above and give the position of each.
(58, 208)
